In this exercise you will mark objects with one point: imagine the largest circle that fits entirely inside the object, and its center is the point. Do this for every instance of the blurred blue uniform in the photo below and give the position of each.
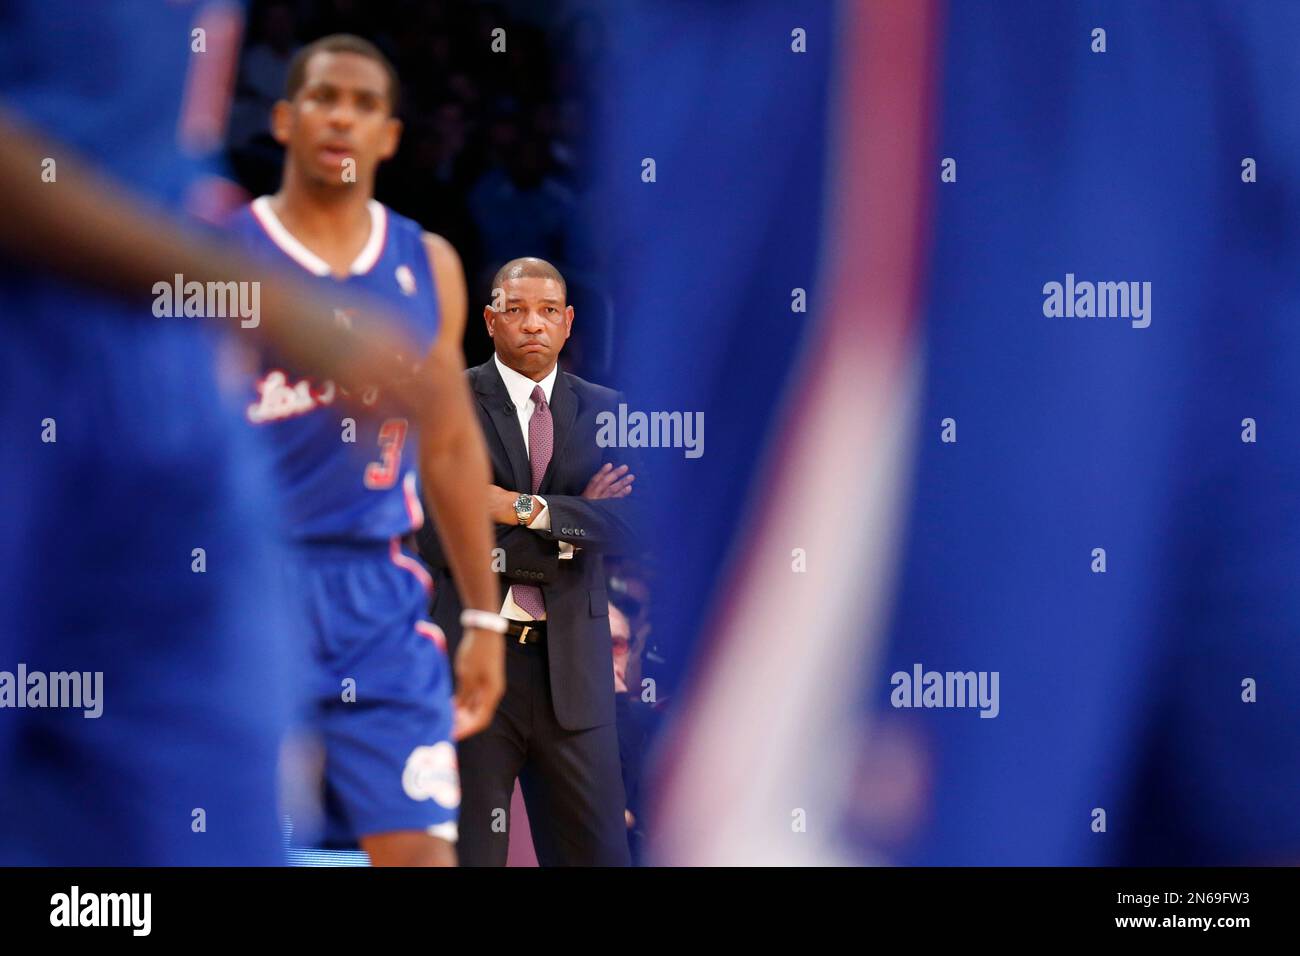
(1121, 691)
(150, 462)
(379, 680)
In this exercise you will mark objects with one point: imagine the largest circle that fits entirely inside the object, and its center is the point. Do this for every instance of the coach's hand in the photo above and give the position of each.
(501, 505)
(609, 482)
(480, 681)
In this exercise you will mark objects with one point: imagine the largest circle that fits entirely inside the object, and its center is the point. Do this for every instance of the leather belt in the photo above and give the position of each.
(526, 632)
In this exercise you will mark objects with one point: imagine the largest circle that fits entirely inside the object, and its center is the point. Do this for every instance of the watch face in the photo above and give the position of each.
(523, 504)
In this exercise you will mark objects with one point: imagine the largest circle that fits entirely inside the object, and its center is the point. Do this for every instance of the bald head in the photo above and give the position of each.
(529, 267)
(529, 318)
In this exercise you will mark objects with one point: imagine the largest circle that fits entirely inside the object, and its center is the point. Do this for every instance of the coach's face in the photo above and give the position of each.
(341, 112)
(532, 326)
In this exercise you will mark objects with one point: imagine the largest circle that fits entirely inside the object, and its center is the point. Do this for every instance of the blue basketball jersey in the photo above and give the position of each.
(345, 475)
(145, 465)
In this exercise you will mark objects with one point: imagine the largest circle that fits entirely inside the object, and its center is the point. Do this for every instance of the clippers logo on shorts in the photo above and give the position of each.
(432, 774)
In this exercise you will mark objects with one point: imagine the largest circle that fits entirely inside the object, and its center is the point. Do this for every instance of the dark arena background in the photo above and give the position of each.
(498, 149)
(671, 441)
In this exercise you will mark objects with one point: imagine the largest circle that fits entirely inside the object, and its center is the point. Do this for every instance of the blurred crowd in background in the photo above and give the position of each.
(496, 147)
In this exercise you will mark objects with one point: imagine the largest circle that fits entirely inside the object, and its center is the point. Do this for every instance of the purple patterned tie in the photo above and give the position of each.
(541, 439)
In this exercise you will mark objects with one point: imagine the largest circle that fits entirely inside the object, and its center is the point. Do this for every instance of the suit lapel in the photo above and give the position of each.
(564, 410)
(495, 400)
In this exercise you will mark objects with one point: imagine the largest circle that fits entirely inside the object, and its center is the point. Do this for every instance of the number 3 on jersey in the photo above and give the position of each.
(383, 473)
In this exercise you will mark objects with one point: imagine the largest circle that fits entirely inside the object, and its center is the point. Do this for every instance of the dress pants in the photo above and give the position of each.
(571, 779)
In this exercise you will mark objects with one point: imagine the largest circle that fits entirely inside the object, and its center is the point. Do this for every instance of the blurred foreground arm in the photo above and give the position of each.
(95, 232)
(455, 472)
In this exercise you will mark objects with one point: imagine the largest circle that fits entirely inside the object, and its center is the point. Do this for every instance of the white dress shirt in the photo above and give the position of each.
(520, 388)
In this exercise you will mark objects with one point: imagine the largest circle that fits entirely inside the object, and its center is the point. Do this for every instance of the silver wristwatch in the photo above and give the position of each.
(524, 508)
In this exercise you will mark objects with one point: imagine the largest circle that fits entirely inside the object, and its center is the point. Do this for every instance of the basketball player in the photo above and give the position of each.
(133, 560)
(381, 690)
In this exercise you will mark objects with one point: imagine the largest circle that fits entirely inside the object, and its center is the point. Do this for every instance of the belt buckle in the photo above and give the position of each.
(524, 634)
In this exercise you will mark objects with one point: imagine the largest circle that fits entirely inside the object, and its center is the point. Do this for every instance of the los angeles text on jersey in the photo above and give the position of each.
(279, 397)
(75, 908)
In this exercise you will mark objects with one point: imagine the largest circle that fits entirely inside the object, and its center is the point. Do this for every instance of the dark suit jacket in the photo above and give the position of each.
(579, 646)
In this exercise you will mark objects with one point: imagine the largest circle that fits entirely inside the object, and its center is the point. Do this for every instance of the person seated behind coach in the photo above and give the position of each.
(637, 720)
(559, 502)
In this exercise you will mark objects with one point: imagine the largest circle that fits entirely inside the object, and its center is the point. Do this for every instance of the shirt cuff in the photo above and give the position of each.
(542, 520)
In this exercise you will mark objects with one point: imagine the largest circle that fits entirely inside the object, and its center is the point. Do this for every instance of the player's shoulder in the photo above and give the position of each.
(442, 254)
(438, 250)
(412, 232)
(242, 219)
(397, 223)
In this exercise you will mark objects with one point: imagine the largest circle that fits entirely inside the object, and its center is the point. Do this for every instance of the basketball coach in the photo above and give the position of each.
(559, 502)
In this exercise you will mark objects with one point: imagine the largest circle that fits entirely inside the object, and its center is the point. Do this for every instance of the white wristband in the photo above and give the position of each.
(483, 620)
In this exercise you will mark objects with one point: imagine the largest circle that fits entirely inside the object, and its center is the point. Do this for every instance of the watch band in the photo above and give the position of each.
(523, 519)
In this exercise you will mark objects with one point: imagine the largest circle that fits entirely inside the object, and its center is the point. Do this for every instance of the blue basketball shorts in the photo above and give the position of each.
(378, 693)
